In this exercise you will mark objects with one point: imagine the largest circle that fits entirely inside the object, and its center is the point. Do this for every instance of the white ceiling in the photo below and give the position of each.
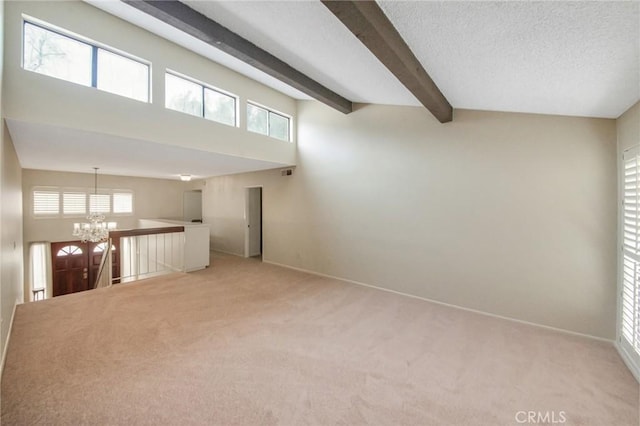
(46, 147)
(568, 58)
(577, 58)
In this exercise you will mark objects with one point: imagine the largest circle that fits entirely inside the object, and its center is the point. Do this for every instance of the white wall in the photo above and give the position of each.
(152, 198)
(628, 128)
(11, 268)
(32, 97)
(11, 265)
(511, 214)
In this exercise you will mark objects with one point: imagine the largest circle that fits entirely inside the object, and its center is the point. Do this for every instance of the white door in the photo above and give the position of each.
(253, 218)
(192, 205)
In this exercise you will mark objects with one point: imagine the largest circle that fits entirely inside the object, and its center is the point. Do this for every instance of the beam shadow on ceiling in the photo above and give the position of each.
(207, 30)
(371, 26)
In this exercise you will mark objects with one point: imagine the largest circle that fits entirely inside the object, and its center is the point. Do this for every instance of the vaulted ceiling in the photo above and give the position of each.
(566, 58)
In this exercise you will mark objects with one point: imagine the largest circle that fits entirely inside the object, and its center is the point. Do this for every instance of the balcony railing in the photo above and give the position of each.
(142, 253)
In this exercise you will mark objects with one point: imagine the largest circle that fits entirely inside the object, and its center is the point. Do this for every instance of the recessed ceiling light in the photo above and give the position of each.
(185, 178)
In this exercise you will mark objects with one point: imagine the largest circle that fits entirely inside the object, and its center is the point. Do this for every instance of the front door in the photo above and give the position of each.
(70, 262)
(76, 265)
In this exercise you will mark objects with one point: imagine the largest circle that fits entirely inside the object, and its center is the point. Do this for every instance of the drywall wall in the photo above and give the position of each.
(628, 128)
(32, 97)
(510, 214)
(152, 198)
(11, 241)
(11, 264)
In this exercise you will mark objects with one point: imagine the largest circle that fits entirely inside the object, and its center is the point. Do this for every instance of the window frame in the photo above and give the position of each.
(204, 86)
(270, 111)
(133, 202)
(33, 204)
(88, 192)
(629, 258)
(64, 191)
(43, 269)
(95, 46)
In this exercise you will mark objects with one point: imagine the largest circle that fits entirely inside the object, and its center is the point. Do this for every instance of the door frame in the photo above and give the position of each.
(184, 204)
(84, 255)
(247, 228)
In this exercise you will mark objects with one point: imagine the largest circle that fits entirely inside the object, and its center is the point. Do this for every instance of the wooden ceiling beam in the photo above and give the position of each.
(207, 30)
(371, 26)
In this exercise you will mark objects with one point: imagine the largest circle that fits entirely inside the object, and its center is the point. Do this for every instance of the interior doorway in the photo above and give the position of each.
(253, 222)
(192, 206)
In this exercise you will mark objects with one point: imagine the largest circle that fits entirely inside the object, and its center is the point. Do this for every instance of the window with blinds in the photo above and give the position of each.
(46, 203)
(74, 203)
(99, 203)
(49, 202)
(629, 323)
(122, 202)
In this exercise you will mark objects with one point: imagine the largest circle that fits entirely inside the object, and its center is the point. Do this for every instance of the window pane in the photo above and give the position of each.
(183, 95)
(122, 202)
(38, 266)
(55, 55)
(46, 202)
(123, 76)
(219, 107)
(278, 126)
(100, 203)
(74, 203)
(257, 119)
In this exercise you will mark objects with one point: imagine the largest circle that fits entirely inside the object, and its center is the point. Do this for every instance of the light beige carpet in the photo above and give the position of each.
(245, 343)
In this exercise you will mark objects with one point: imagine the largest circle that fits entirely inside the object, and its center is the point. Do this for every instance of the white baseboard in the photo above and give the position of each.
(629, 362)
(6, 343)
(547, 327)
(228, 252)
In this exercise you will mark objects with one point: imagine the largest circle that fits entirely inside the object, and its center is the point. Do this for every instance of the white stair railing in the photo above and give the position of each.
(149, 252)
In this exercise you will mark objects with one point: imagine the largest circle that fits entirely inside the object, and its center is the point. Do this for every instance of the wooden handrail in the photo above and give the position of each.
(145, 231)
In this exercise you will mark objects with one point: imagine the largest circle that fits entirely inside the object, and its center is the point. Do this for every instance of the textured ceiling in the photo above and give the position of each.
(566, 57)
(569, 58)
(307, 36)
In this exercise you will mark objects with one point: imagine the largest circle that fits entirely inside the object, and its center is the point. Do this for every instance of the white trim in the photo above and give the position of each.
(204, 85)
(629, 361)
(629, 356)
(269, 109)
(226, 252)
(82, 39)
(547, 327)
(6, 343)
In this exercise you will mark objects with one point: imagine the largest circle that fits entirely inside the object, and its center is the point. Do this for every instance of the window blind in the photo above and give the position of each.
(99, 203)
(630, 291)
(46, 202)
(74, 203)
(122, 202)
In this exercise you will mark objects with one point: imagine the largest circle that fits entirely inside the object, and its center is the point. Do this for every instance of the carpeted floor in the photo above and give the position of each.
(246, 343)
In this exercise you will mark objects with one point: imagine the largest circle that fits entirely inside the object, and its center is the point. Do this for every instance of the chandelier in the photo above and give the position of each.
(96, 230)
